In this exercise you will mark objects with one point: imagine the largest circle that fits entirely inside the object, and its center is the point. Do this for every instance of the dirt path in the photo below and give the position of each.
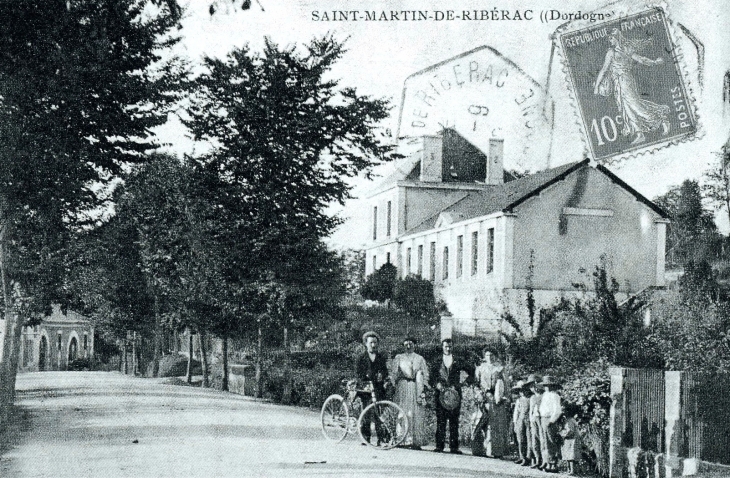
(95, 424)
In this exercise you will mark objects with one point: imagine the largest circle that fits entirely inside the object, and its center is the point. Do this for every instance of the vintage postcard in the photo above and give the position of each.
(364, 238)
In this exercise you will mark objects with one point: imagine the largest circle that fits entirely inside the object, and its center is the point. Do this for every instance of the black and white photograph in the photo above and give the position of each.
(349, 238)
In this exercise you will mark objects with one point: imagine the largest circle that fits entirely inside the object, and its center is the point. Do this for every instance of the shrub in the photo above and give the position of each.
(379, 285)
(415, 297)
(176, 365)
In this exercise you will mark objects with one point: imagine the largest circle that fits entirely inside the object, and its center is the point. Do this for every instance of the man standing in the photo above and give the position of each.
(446, 374)
(372, 368)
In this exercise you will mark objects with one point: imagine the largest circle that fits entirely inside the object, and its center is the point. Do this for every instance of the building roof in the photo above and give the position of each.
(505, 197)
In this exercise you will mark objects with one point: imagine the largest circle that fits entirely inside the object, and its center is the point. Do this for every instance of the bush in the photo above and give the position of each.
(80, 364)
(590, 389)
(177, 365)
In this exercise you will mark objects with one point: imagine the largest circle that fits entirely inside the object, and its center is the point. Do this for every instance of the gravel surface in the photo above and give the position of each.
(108, 425)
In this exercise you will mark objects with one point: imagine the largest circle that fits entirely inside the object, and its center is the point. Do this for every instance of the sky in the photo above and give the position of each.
(382, 55)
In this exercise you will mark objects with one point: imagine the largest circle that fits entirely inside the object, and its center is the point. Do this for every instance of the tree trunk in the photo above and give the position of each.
(175, 342)
(203, 360)
(189, 377)
(158, 340)
(15, 356)
(224, 385)
(134, 353)
(8, 334)
(286, 393)
(125, 361)
(259, 351)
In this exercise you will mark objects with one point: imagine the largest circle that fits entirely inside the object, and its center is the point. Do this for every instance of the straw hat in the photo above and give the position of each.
(450, 398)
(531, 380)
(519, 385)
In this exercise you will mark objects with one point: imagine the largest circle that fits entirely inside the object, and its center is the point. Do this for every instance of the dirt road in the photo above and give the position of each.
(107, 425)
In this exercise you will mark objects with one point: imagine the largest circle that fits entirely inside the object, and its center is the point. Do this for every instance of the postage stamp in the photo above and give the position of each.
(628, 84)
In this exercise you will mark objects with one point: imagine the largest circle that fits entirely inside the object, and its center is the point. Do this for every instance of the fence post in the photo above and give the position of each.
(617, 462)
(673, 420)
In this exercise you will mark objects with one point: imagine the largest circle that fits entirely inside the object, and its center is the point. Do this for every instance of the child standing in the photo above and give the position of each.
(534, 419)
(521, 423)
(570, 432)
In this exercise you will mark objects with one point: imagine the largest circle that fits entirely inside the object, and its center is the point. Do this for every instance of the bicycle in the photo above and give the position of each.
(386, 419)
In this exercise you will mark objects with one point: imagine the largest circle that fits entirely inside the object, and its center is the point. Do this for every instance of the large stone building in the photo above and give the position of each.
(450, 217)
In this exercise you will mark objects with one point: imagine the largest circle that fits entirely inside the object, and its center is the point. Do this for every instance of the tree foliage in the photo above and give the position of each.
(380, 285)
(414, 296)
(716, 186)
(692, 234)
(81, 85)
(286, 139)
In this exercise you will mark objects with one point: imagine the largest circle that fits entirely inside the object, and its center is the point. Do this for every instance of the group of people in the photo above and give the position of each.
(543, 427)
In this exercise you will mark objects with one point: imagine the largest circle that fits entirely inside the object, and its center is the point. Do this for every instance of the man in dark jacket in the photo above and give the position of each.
(372, 368)
(446, 379)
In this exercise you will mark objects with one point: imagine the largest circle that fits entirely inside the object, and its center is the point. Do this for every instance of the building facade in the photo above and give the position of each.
(57, 341)
(485, 242)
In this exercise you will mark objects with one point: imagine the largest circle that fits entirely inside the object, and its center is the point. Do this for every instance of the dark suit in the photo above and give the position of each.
(375, 372)
(448, 377)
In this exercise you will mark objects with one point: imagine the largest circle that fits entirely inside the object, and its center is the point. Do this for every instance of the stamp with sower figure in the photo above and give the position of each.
(628, 85)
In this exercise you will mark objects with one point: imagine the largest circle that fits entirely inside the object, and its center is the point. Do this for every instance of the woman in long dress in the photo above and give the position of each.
(410, 376)
(617, 76)
(490, 377)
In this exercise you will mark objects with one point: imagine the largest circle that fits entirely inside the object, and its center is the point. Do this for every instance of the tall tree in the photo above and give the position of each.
(81, 84)
(286, 139)
(692, 233)
(717, 182)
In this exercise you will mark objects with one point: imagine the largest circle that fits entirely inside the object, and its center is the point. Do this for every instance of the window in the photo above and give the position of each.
(408, 261)
(419, 262)
(445, 271)
(375, 223)
(86, 342)
(59, 343)
(387, 257)
(387, 219)
(432, 263)
(375, 263)
(474, 252)
(459, 255)
(490, 250)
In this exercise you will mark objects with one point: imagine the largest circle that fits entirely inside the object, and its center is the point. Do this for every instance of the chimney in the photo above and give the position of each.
(432, 159)
(495, 165)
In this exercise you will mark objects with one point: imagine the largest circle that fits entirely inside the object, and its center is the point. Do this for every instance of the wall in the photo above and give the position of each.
(683, 416)
(628, 238)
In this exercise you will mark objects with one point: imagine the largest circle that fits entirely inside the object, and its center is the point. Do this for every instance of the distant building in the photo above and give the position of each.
(57, 341)
(450, 217)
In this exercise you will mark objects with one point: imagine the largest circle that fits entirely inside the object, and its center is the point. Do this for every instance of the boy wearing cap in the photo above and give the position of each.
(521, 422)
(534, 419)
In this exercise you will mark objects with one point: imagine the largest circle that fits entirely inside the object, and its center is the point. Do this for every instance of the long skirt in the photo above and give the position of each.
(499, 430)
(406, 396)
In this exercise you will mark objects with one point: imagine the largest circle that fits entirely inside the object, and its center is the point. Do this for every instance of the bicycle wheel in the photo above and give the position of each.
(383, 425)
(335, 418)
